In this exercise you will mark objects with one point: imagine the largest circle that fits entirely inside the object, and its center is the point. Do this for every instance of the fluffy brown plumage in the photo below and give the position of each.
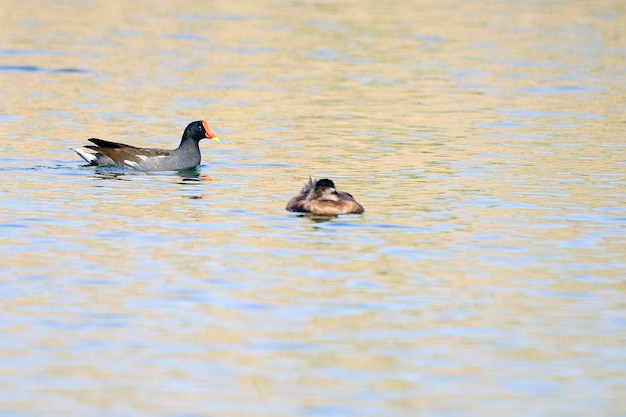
(321, 197)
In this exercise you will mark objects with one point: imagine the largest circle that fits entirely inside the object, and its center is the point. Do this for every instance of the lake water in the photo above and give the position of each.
(485, 139)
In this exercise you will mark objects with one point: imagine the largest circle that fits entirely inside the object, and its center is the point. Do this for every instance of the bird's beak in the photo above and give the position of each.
(212, 137)
(208, 132)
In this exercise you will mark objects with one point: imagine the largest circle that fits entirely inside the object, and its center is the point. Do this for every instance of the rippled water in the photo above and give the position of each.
(486, 141)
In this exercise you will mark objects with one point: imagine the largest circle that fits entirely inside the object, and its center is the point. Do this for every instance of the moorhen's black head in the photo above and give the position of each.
(199, 130)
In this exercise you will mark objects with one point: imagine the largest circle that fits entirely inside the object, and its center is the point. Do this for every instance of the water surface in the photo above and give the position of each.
(485, 140)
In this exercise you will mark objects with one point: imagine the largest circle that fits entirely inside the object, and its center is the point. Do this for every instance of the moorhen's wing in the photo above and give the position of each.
(123, 154)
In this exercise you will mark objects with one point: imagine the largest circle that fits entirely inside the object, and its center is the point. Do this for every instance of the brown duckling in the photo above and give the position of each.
(321, 197)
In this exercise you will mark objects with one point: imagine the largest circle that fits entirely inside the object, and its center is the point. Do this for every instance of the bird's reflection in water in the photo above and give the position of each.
(317, 218)
(111, 173)
(191, 175)
(187, 176)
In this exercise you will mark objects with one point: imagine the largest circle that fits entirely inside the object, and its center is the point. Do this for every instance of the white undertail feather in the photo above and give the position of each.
(88, 157)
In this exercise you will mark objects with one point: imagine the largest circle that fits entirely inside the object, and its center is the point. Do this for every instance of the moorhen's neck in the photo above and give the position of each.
(188, 142)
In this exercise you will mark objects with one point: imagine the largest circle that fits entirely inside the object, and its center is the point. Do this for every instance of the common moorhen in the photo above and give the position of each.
(187, 155)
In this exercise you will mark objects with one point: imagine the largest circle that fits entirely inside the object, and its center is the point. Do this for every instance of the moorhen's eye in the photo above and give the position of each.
(199, 127)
